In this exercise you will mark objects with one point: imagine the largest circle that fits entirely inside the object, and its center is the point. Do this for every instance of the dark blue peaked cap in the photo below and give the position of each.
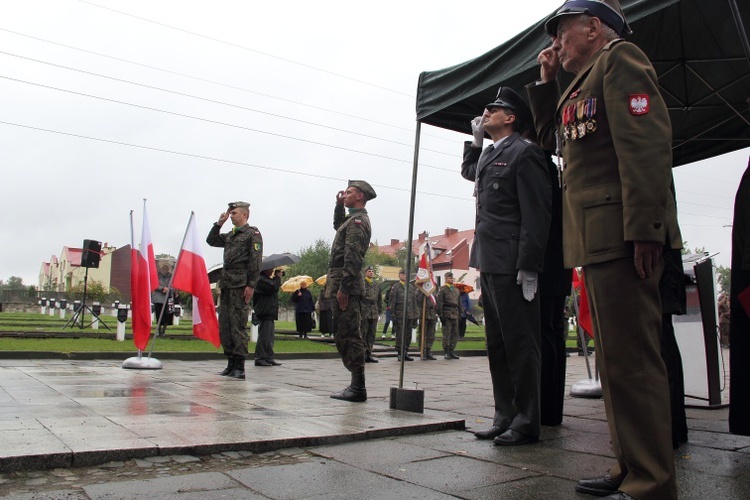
(608, 11)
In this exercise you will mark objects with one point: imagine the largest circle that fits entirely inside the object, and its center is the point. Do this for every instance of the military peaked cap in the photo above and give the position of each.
(608, 11)
(510, 99)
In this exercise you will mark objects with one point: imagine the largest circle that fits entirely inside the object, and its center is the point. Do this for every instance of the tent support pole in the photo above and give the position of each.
(412, 202)
(408, 399)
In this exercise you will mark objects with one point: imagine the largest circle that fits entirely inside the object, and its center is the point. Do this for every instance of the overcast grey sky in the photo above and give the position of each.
(193, 104)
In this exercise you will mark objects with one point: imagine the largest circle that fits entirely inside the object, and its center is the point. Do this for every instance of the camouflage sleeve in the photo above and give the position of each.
(354, 255)
(339, 215)
(380, 301)
(256, 255)
(214, 238)
(439, 302)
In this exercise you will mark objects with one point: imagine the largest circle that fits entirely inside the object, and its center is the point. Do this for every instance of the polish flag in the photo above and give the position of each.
(141, 263)
(190, 276)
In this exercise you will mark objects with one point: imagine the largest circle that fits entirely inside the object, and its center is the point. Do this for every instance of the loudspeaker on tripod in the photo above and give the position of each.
(92, 251)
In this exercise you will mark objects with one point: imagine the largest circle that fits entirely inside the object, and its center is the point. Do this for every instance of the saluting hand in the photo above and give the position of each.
(222, 218)
(477, 130)
(550, 64)
(340, 197)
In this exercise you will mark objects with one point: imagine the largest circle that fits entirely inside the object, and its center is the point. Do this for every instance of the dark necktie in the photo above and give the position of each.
(488, 150)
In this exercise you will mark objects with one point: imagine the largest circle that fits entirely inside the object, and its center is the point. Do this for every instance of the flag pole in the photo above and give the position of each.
(132, 247)
(424, 313)
(171, 278)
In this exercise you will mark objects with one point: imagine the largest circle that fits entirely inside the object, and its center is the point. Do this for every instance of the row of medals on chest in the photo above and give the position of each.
(578, 119)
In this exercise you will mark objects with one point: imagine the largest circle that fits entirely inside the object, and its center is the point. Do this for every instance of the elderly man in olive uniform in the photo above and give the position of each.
(372, 306)
(243, 251)
(399, 308)
(449, 310)
(618, 215)
(346, 284)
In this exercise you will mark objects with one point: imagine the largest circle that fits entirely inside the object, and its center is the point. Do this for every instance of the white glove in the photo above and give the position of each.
(528, 282)
(477, 130)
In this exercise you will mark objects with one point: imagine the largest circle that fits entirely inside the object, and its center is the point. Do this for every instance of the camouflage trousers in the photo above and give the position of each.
(399, 334)
(367, 329)
(429, 334)
(450, 333)
(347, 334)
(233, 314)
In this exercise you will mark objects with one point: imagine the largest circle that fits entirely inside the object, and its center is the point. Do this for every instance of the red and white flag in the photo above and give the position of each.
(425, 279)
(584, 314)
(142, 268)
(190, 276)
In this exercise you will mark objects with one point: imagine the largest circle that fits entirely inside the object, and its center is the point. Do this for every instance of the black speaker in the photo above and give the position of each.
(92, 252)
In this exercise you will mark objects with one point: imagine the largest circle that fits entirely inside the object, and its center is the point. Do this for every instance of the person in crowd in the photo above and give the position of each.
(400, 310)
(724, 319)
(427, 323)
(388, 315)
(266, 311)
(243, 252)
(163, 298)
(513, 197)
(465, 313)
(372, 304)
(612, 126)
(324, 307)
(304, 307)
(345, 282)
(449, 311)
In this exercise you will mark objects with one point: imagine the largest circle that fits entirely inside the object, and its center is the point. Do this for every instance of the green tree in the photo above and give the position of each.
(723, 278)
(375, 258)
(95, 291)
(13, 283)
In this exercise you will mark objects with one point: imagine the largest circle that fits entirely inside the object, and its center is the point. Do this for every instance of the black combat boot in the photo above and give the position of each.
(453, 355)
(428, 355)
(239, 368)
(229, 368)
(356, 392)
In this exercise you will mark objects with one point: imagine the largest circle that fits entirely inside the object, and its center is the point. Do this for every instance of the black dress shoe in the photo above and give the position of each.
(598, 486)
(619, 495)
(490, 433)
(514, 438)
(273, 362)
(262, 362)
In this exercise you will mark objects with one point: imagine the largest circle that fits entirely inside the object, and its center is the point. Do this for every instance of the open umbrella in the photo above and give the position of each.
(295, 283)
(322, 280)
(463, 287)
(277, 260)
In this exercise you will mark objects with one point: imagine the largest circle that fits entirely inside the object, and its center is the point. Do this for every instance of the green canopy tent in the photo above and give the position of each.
(699, 49)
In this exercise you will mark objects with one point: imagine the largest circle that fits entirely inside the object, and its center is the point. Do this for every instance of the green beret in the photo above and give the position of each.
(363, 186)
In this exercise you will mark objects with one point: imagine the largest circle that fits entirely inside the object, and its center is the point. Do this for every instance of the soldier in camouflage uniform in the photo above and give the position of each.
(346, 285)
(427, 321)
(396, 298)
(243, 251)
(449, 309)
(372, 306)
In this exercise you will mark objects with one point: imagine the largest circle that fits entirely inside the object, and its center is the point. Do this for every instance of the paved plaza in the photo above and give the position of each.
(83, 429)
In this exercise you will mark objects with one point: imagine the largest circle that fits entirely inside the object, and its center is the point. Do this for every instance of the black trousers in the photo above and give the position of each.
(553, 333)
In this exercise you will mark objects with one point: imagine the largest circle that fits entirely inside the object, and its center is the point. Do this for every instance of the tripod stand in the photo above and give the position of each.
(77, 318)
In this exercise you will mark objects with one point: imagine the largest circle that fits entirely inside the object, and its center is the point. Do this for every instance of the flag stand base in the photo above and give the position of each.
(587, 388)
(407, 399)
(141, 363)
